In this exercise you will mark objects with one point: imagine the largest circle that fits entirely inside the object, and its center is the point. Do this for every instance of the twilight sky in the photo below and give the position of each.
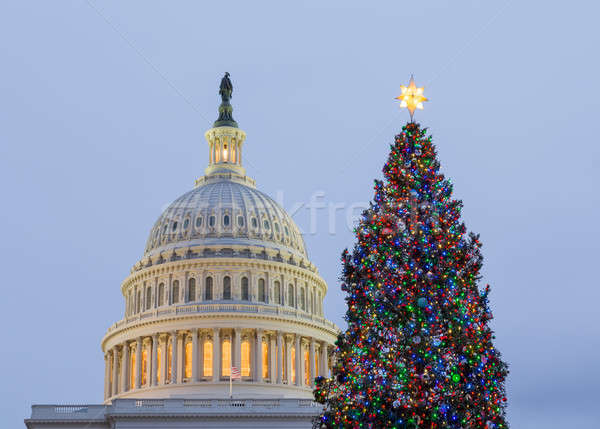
(103, 108)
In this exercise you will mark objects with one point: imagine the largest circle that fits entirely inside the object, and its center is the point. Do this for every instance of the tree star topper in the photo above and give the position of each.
(411, 97)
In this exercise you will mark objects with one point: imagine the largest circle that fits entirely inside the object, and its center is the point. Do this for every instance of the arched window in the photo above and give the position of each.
(130, 304)
(261, 290)
(266, 224)
(148, 298)
(291, 295)
(211, 221)
(138, 301)
(302, 299)
(174, 226)
(245, 294)
(158, 363)
(293, 360)
(198, 221)
(240, 220)
(254, 223)
(191, 296)
(161, 294)
(208, 289)
(306, 368)
(245, 358)
(175, 297)
(277, 292)
(226, 358)
(208, 356)
(169, 363)
(226, 287)
(312, 301)
(144, 367)
(319, 305)
(317, 360)
(186, 223)
(265, 359)
(132, 369)
(188, 360)
(226, 220)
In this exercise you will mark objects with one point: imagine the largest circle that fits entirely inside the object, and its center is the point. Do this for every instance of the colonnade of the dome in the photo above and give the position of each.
(205, 356)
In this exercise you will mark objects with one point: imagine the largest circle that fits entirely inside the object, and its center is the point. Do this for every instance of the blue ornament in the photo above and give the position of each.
(422, 302)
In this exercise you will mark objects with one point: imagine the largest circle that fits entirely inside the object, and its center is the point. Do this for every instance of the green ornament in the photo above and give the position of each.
(455, 378)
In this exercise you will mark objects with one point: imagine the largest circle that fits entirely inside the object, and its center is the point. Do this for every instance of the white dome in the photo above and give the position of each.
(224, 212)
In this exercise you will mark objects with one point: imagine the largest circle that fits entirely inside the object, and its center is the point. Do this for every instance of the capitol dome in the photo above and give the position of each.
(225, 211)
(224, 288)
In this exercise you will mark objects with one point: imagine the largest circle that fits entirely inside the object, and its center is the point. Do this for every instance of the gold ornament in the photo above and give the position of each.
(411, 97)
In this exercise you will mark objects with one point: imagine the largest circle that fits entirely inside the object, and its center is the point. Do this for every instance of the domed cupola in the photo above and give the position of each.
(224, 284)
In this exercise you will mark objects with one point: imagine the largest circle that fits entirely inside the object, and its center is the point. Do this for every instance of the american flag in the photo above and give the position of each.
(235, 373)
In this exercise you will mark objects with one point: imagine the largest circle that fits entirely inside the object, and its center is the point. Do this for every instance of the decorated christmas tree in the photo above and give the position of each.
(418, 351)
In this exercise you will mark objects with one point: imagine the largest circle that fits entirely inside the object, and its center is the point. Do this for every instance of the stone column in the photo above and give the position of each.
(324, 369)
(106, 370)
(125, 368)
(311, 360)
(279, 357)
(216, 355)
(138, 362)
(200, 369)
(154, 367)
(237, 349)
(299, 374)
(288, 359)
(115, 371)
(272, 358)
(173, 357)
(195, 355)
(259, 356)
(164, 358)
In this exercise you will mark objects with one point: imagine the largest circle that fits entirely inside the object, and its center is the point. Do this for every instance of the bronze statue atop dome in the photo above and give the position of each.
(225, 118)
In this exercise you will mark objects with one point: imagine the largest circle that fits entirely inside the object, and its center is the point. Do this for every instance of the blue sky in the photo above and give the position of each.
(103, 108)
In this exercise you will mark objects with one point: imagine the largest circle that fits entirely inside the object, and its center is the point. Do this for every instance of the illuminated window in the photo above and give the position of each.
(161, 294)
(158, 363)
(175, 297)
(302, 299)
(245, 294)
(277, 292)
(291, 295)
(293, 361)
(148, 298)
(261, 290)
(169, 358)
(132, 370)
(245, 358)
(144, 367)
(317, 360)
(226, 287)
(191, 290)
(306, 368)
(226, 358)
(208, 292)
(188, 359)
(284, 359)
(208, 359)
(265, 359)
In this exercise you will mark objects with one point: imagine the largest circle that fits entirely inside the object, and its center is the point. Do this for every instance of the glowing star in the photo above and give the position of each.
(411, 97)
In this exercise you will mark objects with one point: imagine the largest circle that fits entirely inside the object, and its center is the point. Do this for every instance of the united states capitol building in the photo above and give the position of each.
(224, 282)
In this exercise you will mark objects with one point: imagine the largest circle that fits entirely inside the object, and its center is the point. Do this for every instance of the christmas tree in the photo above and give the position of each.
(418, 350)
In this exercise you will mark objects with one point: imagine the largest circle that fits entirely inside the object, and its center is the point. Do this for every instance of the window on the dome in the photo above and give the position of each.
(144, 367)
(165, 228)
(226, 287)
(161, 294)
(208, 289)
(226, 220)
(276, 227)
(261, 290)
(291, 295)
(307, 373)
(226, 358)
(245, 358)
(186, 223)
(245, 293)
(191, 295)
(211, 221)
(131, 370)
(302, 299)
(138, 303)
(254, 223)
(148, 298)
(188, 359)
(293, 359)
(240, 220)
(174, 226)
(287, 232)
(265, 358)
(208, 356)
(175, 297)
(277, 292)
(198, 222)
(159, 363)
(266, 224)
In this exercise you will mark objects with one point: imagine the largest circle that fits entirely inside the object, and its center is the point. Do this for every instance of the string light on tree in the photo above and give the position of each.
(411, 97)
